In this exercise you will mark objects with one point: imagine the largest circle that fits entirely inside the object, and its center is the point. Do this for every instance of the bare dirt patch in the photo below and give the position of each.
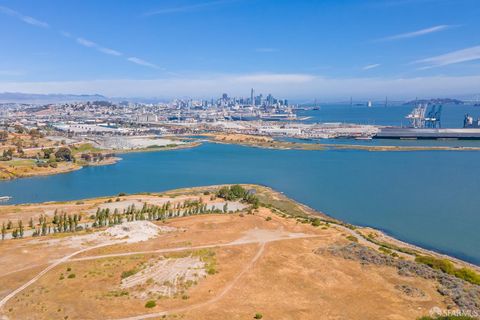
(165, 277)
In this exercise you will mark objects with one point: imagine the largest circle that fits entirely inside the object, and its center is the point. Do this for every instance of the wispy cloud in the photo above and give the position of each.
(24, 18)
(90, 44)
(142, 62)
(417, 33)
(371, 66)
(464, 55)
(65, 34)
(86, 43)
(266, 50)
(186, 8)
(81, 41)
(109, 51)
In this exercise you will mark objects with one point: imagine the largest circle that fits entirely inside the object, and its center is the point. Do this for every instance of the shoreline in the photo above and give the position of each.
(269, 145)
(106, 162)
(267, 142)
(309, 212)
(384, 234)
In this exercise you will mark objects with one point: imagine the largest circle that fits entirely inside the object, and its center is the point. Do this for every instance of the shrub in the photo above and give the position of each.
(128, 273)
(316, 222)
(439, 264)
(71, 276)
(352, 238)
(211, 270)
(446, 266)
(258, 316)
(268, 218)
(385, 250)
(150, 304)
(468, 275)
(447, 318)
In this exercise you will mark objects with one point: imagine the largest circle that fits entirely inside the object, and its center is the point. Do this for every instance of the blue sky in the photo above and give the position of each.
(297, 49)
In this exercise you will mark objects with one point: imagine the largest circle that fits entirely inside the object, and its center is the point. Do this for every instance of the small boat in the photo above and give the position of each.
(4, 198)
(363, 138)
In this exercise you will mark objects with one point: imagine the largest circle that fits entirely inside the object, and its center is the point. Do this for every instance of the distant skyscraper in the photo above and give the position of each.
(252, 97)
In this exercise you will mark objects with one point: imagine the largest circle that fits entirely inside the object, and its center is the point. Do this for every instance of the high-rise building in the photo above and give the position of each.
(252, 97)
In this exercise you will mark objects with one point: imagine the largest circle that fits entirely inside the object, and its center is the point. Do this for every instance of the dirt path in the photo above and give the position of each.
(44, 271)
(262, 239)
(207, 246)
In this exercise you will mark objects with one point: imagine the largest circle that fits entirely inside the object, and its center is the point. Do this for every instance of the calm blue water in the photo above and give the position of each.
(428, 198)
(389, 142)
(452, 115)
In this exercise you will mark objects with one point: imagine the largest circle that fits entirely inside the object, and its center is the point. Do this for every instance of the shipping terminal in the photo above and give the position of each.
(425, 123)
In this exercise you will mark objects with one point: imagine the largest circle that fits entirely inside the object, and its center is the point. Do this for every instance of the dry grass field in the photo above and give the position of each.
(208, 266)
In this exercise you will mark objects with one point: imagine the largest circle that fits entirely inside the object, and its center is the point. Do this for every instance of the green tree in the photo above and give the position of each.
(4, 230)
(20, 228)
(150, 304)
(64, 154)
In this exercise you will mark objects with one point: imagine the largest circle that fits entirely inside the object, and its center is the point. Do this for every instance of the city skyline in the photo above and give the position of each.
(300, 50)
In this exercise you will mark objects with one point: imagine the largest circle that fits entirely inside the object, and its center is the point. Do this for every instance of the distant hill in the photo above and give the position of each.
(18, 97)
(435, 101)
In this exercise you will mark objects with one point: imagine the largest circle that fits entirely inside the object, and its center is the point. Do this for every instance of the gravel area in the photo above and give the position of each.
(165, 277)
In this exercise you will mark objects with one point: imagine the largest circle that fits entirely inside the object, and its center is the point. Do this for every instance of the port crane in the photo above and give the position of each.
(433, 118)
(419, 118)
